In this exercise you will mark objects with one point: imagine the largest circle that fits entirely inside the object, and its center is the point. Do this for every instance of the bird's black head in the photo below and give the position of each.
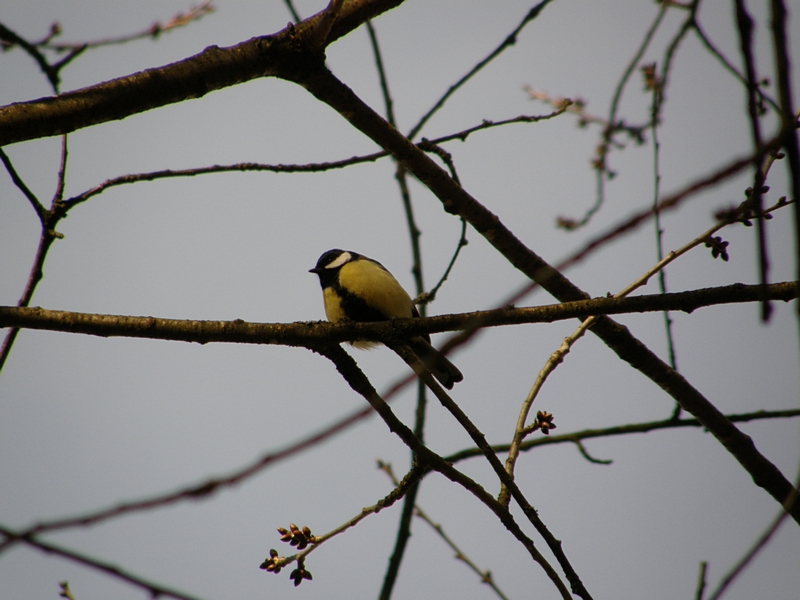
(332, 259)
(329, 264)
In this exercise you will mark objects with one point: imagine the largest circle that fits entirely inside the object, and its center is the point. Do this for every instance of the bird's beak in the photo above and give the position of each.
(315, 270)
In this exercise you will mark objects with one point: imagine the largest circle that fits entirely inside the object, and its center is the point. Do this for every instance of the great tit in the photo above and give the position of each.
(357, 288)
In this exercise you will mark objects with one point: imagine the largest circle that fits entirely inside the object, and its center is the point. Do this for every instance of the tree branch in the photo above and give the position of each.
(306, 334)
(155, 589)
(349, 370)
(587, 434)
(287, 53)
(455, 200)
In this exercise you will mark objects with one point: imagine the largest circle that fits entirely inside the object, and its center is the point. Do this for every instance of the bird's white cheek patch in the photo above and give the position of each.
(342, 259)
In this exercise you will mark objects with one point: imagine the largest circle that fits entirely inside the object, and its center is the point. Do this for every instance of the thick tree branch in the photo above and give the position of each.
(309, 333)
(455, 200)
(349, 370)
(284, 54)
(506, 478)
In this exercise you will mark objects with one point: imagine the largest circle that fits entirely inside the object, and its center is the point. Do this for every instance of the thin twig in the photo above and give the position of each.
(578, 107)
(578, 588)
(280, 168)
(585, 434)
(789, 124)
(510, 40)
(11, 39)
(701, 581)
(61, 181)
(557, 357)
(462, 241)
(295, 15)
(353, 375)
(41, 211)
(154, 589)
(34, 277)
(706, 41)
(181, 19)
(659, 88)
(48, 220)
(637, 219)
(759, 545)
(486, 576)
(745, 26)
(425, 298)
(600, 163)
(656, 86)
(585, 453)
(401, 489)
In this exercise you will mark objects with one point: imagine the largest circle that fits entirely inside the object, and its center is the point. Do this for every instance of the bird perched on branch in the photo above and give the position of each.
(357, 288)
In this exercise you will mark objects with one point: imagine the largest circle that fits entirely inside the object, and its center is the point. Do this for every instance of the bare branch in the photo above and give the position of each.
(276, 562)
(701, 580)
(361, 385)
(455, 200)
(154, 589)
(557, 357)
(181, 19)
(789, 121)
(510, 40)
(281, 168)
(286, 53)
(600, 160)
(759, 545)
(645, 427)
(309, 333)
(11, 39)
(37, 206)
(506, 478)
(745, 26)
(486, 576)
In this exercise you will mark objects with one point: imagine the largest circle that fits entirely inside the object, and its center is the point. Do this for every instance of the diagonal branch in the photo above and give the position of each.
(349, 370)
(507, 480)
(12, 39)
(285, 54)
(510, 40)
(41, 211)
(154, 589)
(276, 563)
(486, 576)
(455, 200)
(557, 357)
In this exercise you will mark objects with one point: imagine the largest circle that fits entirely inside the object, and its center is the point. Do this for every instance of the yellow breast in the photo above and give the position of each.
(376, 286)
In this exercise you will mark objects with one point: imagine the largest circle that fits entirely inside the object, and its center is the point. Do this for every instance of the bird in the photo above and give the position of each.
(357, 288)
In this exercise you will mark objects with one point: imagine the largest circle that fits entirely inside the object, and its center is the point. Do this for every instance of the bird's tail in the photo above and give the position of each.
(435, 362)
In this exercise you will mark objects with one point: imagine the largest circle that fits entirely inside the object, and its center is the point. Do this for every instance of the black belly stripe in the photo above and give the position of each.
(356, 309)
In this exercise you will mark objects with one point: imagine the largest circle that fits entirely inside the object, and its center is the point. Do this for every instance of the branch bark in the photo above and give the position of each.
(455, 200)
(283, 54)
(307, 334)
